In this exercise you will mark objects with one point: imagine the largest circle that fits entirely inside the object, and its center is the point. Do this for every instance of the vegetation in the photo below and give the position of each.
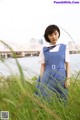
(23, 104)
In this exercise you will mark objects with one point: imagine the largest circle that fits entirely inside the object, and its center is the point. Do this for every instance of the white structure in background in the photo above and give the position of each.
(32, 47)
(11, 44)
(73, 47)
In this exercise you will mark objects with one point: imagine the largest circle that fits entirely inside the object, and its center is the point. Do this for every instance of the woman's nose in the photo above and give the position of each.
(53, 37)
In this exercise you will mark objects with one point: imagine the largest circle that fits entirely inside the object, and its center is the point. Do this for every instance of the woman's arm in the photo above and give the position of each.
(67, 65)
(42, 69)
(67, 82)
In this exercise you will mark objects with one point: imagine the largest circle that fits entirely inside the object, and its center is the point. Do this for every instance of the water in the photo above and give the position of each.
(31, 66)
(75, 62)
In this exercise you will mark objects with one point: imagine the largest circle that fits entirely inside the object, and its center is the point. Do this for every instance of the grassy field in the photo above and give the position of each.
(19, 99)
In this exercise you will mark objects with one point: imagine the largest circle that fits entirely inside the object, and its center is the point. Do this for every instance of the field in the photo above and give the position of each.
(18, 97)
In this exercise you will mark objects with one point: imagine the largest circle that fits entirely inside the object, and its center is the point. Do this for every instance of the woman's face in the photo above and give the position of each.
(53, 37)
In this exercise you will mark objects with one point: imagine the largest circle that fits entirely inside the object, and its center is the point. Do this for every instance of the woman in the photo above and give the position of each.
(55, 68)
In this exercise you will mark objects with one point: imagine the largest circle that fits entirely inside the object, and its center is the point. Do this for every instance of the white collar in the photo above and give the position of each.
(49, 44)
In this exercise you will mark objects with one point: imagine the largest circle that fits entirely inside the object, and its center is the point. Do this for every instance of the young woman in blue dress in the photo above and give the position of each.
(55, 67)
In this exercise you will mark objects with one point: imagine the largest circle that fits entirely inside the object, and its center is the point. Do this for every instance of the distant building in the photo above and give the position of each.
(30, 48)
(73, 47)
(40, 41)
(32, 45)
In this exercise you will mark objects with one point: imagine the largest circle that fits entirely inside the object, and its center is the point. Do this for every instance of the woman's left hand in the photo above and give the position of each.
(67, 83)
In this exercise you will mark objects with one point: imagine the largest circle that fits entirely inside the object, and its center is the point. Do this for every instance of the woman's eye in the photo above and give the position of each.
(55, 33)
(50, 35)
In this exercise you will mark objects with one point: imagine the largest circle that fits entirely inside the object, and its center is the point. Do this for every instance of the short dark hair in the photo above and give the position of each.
(49, 30)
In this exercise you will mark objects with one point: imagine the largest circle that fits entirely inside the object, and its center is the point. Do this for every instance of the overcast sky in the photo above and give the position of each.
(21, 20)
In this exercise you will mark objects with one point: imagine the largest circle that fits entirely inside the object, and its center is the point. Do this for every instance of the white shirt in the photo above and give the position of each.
(42, 58)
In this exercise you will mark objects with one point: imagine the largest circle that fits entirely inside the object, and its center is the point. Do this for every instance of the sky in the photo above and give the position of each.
(22, 20)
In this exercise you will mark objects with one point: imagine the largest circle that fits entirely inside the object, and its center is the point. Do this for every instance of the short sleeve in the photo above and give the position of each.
(41, 57)
(67, 55)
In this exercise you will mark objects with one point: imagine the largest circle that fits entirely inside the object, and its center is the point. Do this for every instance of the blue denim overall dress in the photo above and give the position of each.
(55, 74)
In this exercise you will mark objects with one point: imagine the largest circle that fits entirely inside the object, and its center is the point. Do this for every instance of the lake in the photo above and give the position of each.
(31, 66)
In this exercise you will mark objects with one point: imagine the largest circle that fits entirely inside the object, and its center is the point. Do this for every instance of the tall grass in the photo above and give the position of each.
(17, 96)
(27, 106)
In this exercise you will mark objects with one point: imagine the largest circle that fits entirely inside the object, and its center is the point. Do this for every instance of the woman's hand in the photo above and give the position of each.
(67, 83)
